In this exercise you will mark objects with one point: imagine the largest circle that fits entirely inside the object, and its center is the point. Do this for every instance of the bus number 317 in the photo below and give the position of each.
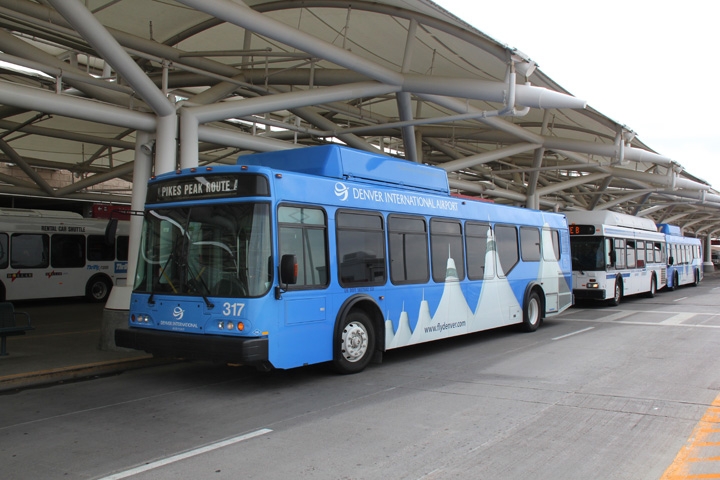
(232, 309)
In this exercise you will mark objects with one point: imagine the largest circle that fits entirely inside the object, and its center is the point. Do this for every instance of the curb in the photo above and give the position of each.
(77, 372)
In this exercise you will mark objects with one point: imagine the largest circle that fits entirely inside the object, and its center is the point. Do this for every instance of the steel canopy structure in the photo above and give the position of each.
(124, 89)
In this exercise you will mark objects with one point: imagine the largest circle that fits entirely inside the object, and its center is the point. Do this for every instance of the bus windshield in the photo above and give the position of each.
(208, 250)
(587, 253)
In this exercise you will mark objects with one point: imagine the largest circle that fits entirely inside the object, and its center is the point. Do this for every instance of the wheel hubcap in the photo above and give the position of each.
(99, 290)
(533, 312)
(354, 342)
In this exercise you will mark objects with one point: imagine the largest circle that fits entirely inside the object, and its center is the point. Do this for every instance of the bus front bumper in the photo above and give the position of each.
(215, 348)
(589, 294)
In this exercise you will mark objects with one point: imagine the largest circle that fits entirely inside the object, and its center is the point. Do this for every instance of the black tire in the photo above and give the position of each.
(675, 281)
(98, 289)
(532, 312)
(653, 287)
(696, 280)
(617, 293)
(354, 343)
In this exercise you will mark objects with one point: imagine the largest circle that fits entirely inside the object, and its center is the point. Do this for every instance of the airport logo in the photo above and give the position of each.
(341, 191)
(178, 313)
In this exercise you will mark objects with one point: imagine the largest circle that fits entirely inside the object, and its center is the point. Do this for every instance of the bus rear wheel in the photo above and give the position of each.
(98, 289)
(532, 312)
(653, 287)
(354, 343)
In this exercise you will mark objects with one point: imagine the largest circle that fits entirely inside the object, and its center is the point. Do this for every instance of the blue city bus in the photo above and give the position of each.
(684, 257)
(330, 254)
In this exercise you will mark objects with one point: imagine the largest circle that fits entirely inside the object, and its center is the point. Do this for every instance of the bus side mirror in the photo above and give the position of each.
(110, 231)
(288, 269)
(288, 274)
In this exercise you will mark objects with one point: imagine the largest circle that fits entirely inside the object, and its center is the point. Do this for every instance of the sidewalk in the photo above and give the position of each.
(64, 346)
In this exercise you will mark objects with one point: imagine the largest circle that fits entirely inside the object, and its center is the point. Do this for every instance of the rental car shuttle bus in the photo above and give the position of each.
(684, 257)
(47, 254)
(615, 255)
(328, 254)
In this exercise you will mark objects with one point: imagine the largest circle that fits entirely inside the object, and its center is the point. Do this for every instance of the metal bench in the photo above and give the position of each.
(9, 325)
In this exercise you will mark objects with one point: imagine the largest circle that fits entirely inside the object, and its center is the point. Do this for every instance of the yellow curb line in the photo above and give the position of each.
(708, 424)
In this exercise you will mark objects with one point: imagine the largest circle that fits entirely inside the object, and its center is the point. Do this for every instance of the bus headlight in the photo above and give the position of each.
(230, 325)
(593, 285)
(140, 318)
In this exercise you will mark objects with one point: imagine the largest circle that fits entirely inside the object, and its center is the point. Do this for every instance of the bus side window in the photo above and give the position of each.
(30, 250)
(360, 248)
(659, 251)
(122, 246)
(530, 244)
(476, 241)
(98, 249)
(303, 232)
(551, 249)
(630, 252)
(408, 241)
(640, 249)
(67, 251)
(506, 241)
(446, 242)
(619, 253)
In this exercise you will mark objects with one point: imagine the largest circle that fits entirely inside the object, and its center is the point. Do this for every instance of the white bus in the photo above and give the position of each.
(615, 255)
(48, 254)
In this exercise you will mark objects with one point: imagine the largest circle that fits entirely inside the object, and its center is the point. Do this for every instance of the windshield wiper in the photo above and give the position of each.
(192, 283)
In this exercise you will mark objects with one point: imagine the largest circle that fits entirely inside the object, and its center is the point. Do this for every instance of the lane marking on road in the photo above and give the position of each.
(573, 333)
(613, 317)
(188, 454)
(695, 460)
(677, 319)
(680, 299)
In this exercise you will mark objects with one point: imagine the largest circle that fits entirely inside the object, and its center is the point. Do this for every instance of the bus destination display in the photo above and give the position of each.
(207, 186)
(581, 229)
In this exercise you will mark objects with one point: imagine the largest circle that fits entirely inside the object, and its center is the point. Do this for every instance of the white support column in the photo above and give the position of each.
(118, 303)
(188, 137)
(708, 266)
(166, 145)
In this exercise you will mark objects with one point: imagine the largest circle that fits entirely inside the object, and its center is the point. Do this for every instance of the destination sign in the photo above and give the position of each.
(208, 186)
(581, 229)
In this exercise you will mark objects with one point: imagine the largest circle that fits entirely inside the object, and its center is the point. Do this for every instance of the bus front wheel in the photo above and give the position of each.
(354, 343)
(532, 312)
(98, 288)
(617, 293)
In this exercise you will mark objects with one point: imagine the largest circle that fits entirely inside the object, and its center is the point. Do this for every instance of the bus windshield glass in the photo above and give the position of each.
(588, 253)
(208, 250)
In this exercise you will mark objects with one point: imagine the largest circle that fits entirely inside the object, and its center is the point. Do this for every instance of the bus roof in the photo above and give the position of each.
(29, 212)
(669, 229)
(336, 161)
(606, 217)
